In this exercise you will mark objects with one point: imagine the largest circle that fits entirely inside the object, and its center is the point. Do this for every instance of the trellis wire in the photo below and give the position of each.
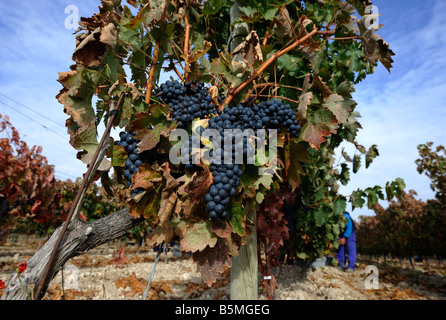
(144, 296)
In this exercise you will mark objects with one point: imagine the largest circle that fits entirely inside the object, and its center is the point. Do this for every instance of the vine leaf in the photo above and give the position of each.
(168, 203)
(81, 125)
(321, 123)
(237, 219)
(109, 35)
(375, 48)
(146, 204)
(295, 154)
(371, 154)
(221, 228)
(356, 163)
(195, 55)
(147, 177)
(283, 28)
(339, 107)
(198, 237)
(304, 101)
(163, 233)
(250, 49)
(270, 219)
(119, 155)
(149, 134)
(194, 189)
(211, 262)
(89, 50)
(321, 215)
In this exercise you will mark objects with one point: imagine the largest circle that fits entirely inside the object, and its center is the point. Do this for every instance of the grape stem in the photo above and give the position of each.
(174, 68)
(234, 91)
(276, 97)
(272, 84)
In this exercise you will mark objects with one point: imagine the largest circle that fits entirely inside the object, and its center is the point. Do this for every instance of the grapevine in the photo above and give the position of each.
(292, 83)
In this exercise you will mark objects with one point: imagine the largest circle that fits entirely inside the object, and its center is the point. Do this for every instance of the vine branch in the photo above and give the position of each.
(154, 60)
(186, 47)
(233, 92)
(77, 202)
(152, 71)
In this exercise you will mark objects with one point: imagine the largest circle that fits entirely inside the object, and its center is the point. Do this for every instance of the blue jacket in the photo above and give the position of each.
(349, 226)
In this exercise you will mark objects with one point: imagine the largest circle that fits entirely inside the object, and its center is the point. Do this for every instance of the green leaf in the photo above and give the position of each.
(373, 194)
(270, 13)
(259, 197)
(321, 214)
(249, 11)
(265, 180)
(339, 205)
(211, 7)
(345, 174)
(372, 153)
(356, 163)
(395, 188)
(356, 199)
(237, 218)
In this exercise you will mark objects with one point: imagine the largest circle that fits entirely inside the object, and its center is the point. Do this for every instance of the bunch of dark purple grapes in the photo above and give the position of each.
(187, 101)
(135, 159)
(268, 115)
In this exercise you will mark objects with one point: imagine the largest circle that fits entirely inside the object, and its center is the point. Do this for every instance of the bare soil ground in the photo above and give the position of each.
(121, 272)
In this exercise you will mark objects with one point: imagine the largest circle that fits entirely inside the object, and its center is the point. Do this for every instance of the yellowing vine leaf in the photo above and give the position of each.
(109, 35)
(168, 202)
(339, 107)
(250, 49)
(195, 55)
(198, 237)
(321, 123)
(295, 155)
(304, 101)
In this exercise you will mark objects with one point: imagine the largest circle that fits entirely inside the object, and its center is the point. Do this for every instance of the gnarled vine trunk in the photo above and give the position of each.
(244, 269)
(79, 238)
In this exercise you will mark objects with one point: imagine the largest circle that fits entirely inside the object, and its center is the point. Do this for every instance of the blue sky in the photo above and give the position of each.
(399, 110)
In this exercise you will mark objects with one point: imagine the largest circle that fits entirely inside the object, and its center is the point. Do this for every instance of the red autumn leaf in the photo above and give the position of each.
(22, 267)
(36, 206)
(2, 285)
(211, 262)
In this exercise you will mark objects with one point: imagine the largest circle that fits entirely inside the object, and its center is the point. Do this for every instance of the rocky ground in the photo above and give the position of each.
(121, 272)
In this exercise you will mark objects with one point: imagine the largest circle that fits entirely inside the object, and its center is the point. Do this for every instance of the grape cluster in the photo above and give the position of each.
(191, 100)
(187, 152)
(227, 175)
(187, 101)
(134, 159)
(272, 114)
(226, 180)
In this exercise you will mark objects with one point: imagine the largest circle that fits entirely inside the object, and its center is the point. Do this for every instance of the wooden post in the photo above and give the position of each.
(244, 270)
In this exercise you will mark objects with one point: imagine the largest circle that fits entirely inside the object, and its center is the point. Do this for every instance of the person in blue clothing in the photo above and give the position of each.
(347, 242)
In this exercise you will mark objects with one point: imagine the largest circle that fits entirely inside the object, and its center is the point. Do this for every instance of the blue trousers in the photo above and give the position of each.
(350, 247)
